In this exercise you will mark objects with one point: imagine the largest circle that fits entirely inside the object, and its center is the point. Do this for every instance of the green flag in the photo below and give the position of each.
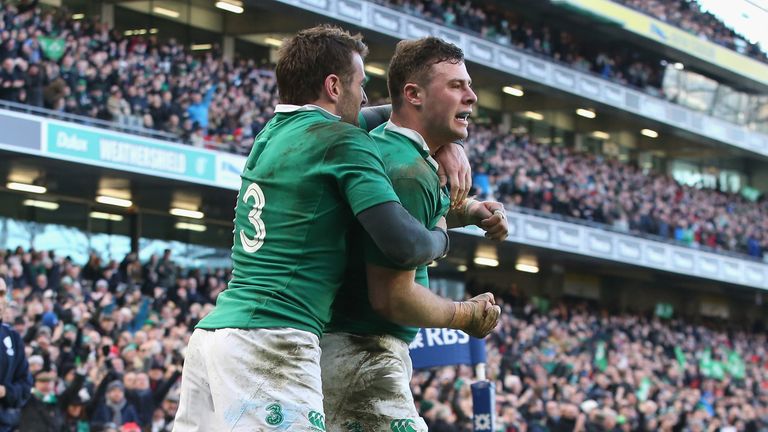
(53, 48)
(705, 363)
(664, 310)
(718, 371)
(601, 360)
(680, 355)
(644, 390)
(735, 365)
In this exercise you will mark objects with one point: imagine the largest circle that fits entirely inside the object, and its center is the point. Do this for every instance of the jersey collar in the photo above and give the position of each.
(288, 108)
(416, 138)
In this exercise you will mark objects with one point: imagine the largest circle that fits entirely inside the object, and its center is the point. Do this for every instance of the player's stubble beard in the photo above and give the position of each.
(349, 106)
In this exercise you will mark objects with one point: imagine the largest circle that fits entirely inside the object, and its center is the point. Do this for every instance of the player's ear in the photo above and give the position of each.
(413, 94)
(332, 87)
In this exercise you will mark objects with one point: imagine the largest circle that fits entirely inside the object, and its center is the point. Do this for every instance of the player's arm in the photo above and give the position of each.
(488, 215)
(403, 239)
(355, 162)
(394, 295)
(371, 117)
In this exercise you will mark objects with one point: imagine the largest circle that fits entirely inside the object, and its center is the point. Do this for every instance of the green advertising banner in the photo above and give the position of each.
(130, 153)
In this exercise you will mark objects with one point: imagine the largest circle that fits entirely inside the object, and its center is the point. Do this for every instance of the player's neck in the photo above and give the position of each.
(414, 122)
(326, 105)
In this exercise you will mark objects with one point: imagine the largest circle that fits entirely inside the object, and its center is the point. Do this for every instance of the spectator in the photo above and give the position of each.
(11, 80)
(15, 381)
(115, 408)
(45, 411)
(198, 109)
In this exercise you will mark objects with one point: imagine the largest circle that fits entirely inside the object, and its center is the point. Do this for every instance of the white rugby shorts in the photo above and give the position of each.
(251, 380)
(366, 384)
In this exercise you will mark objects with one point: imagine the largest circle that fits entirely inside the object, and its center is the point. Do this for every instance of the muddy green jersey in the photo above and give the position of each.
(414, 176)
(308, 175)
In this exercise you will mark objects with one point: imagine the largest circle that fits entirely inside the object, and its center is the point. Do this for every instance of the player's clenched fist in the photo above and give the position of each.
(477, 316)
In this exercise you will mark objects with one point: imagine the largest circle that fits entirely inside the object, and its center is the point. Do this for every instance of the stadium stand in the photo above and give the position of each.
(115, 330)
(689, 16)
(141, 82)
(211, 103)
(112, 327)
(655, 375)
(517, 170)
(504, 27)
(144, 82)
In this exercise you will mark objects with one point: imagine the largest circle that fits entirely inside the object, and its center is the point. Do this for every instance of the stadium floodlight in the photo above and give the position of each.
(513, 91)
(528, 268)
(231, 6)
(678, 66)
(24, 187)
(586, 113)
(277, 43)
(534, 115)
(461, 267)
(118, 202)
(190, 226)
(46, 205)
(78, 16)
(106, 216)
(650, 133)
(200, 47)
(485, 261)
(193, 214)
(374, 70)
(166, 12)
(601, 135)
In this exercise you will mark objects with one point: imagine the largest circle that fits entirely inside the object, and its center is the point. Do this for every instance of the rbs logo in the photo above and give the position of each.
(439, 337)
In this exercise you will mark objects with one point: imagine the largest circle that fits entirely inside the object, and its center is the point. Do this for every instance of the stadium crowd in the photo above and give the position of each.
(207, 101)
(574, 368)
(160, 85)
(135, 81)
(689, 16)
(517, 170)
(506, 28)
(104, 340)
(105, 343)
(619, 63)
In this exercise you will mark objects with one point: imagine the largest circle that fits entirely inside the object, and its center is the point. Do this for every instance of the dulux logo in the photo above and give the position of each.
(71, 142)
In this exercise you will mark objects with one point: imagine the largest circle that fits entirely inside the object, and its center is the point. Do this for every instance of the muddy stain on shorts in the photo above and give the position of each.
(379, 376)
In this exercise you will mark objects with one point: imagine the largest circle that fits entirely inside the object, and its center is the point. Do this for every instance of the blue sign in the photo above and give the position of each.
(483, 406)
(130, 153)
(443, 347)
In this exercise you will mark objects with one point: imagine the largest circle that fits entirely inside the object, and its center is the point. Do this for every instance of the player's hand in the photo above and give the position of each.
(2, 391)
(495, 225)
(453, 167)
(477, 316)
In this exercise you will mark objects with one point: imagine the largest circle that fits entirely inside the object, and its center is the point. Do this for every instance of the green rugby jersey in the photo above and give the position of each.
(413, 173)
(306, 178)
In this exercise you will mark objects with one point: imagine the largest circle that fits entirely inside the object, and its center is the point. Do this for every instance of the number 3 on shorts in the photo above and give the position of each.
(275, 416)
(254, 217)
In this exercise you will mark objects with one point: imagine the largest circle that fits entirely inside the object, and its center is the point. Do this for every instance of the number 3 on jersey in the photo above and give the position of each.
(254, 217)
